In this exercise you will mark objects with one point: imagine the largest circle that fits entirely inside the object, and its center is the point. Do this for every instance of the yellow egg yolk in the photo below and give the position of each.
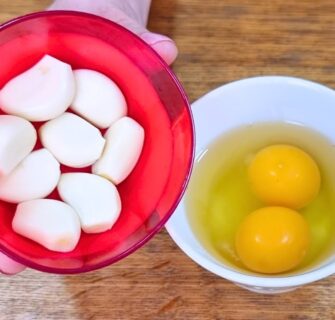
(272, 240)
(284, 175)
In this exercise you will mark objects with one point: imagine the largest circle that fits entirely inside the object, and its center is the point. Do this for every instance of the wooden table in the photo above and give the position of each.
(219, 41)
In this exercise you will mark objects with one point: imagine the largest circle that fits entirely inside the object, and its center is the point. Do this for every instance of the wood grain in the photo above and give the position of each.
(219, 41)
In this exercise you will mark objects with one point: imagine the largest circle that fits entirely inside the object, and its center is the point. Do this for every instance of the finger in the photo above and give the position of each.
(163, 45)
(9, 266)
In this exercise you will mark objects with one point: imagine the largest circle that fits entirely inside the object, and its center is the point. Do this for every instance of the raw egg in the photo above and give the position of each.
(284, 175)
(272, 240)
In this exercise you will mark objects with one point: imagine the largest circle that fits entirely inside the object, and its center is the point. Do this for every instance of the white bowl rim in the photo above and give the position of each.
(226, 272)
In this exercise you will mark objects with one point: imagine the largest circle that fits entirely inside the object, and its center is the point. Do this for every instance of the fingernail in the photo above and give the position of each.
(152, 38)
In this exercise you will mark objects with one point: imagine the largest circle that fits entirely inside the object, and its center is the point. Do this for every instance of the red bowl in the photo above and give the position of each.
(155, 99)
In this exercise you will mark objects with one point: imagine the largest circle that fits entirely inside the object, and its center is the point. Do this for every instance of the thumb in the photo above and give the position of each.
(9, 266)
(163, 45)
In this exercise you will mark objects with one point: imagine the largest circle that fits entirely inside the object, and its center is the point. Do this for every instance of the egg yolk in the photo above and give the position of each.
(284, 175)
(272, 240)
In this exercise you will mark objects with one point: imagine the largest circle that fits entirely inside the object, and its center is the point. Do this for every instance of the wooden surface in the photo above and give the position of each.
(219, 41)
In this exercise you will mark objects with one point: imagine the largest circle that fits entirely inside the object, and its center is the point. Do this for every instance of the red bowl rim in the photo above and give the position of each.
(162, 222)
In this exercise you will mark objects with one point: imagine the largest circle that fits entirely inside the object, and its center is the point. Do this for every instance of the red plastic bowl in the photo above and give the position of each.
(155, 99)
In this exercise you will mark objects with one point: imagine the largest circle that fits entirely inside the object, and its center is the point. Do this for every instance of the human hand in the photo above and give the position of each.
(9, 266)
(131, 14)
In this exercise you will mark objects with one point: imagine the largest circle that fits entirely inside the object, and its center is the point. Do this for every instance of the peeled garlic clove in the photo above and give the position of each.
(41, 93)
(35, 177)
(124, 142)
(72, 140)
(51, 223)
(98, 99)
(17, 139)
(95, 199)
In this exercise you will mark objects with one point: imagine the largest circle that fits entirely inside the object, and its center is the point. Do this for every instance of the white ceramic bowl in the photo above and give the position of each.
(260, 99)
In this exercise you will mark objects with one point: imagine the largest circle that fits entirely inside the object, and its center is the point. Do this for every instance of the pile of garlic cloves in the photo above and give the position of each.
(74, 106)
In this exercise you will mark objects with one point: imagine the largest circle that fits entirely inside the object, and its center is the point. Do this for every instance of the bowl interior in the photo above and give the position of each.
(244, 102)
(155, 99)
